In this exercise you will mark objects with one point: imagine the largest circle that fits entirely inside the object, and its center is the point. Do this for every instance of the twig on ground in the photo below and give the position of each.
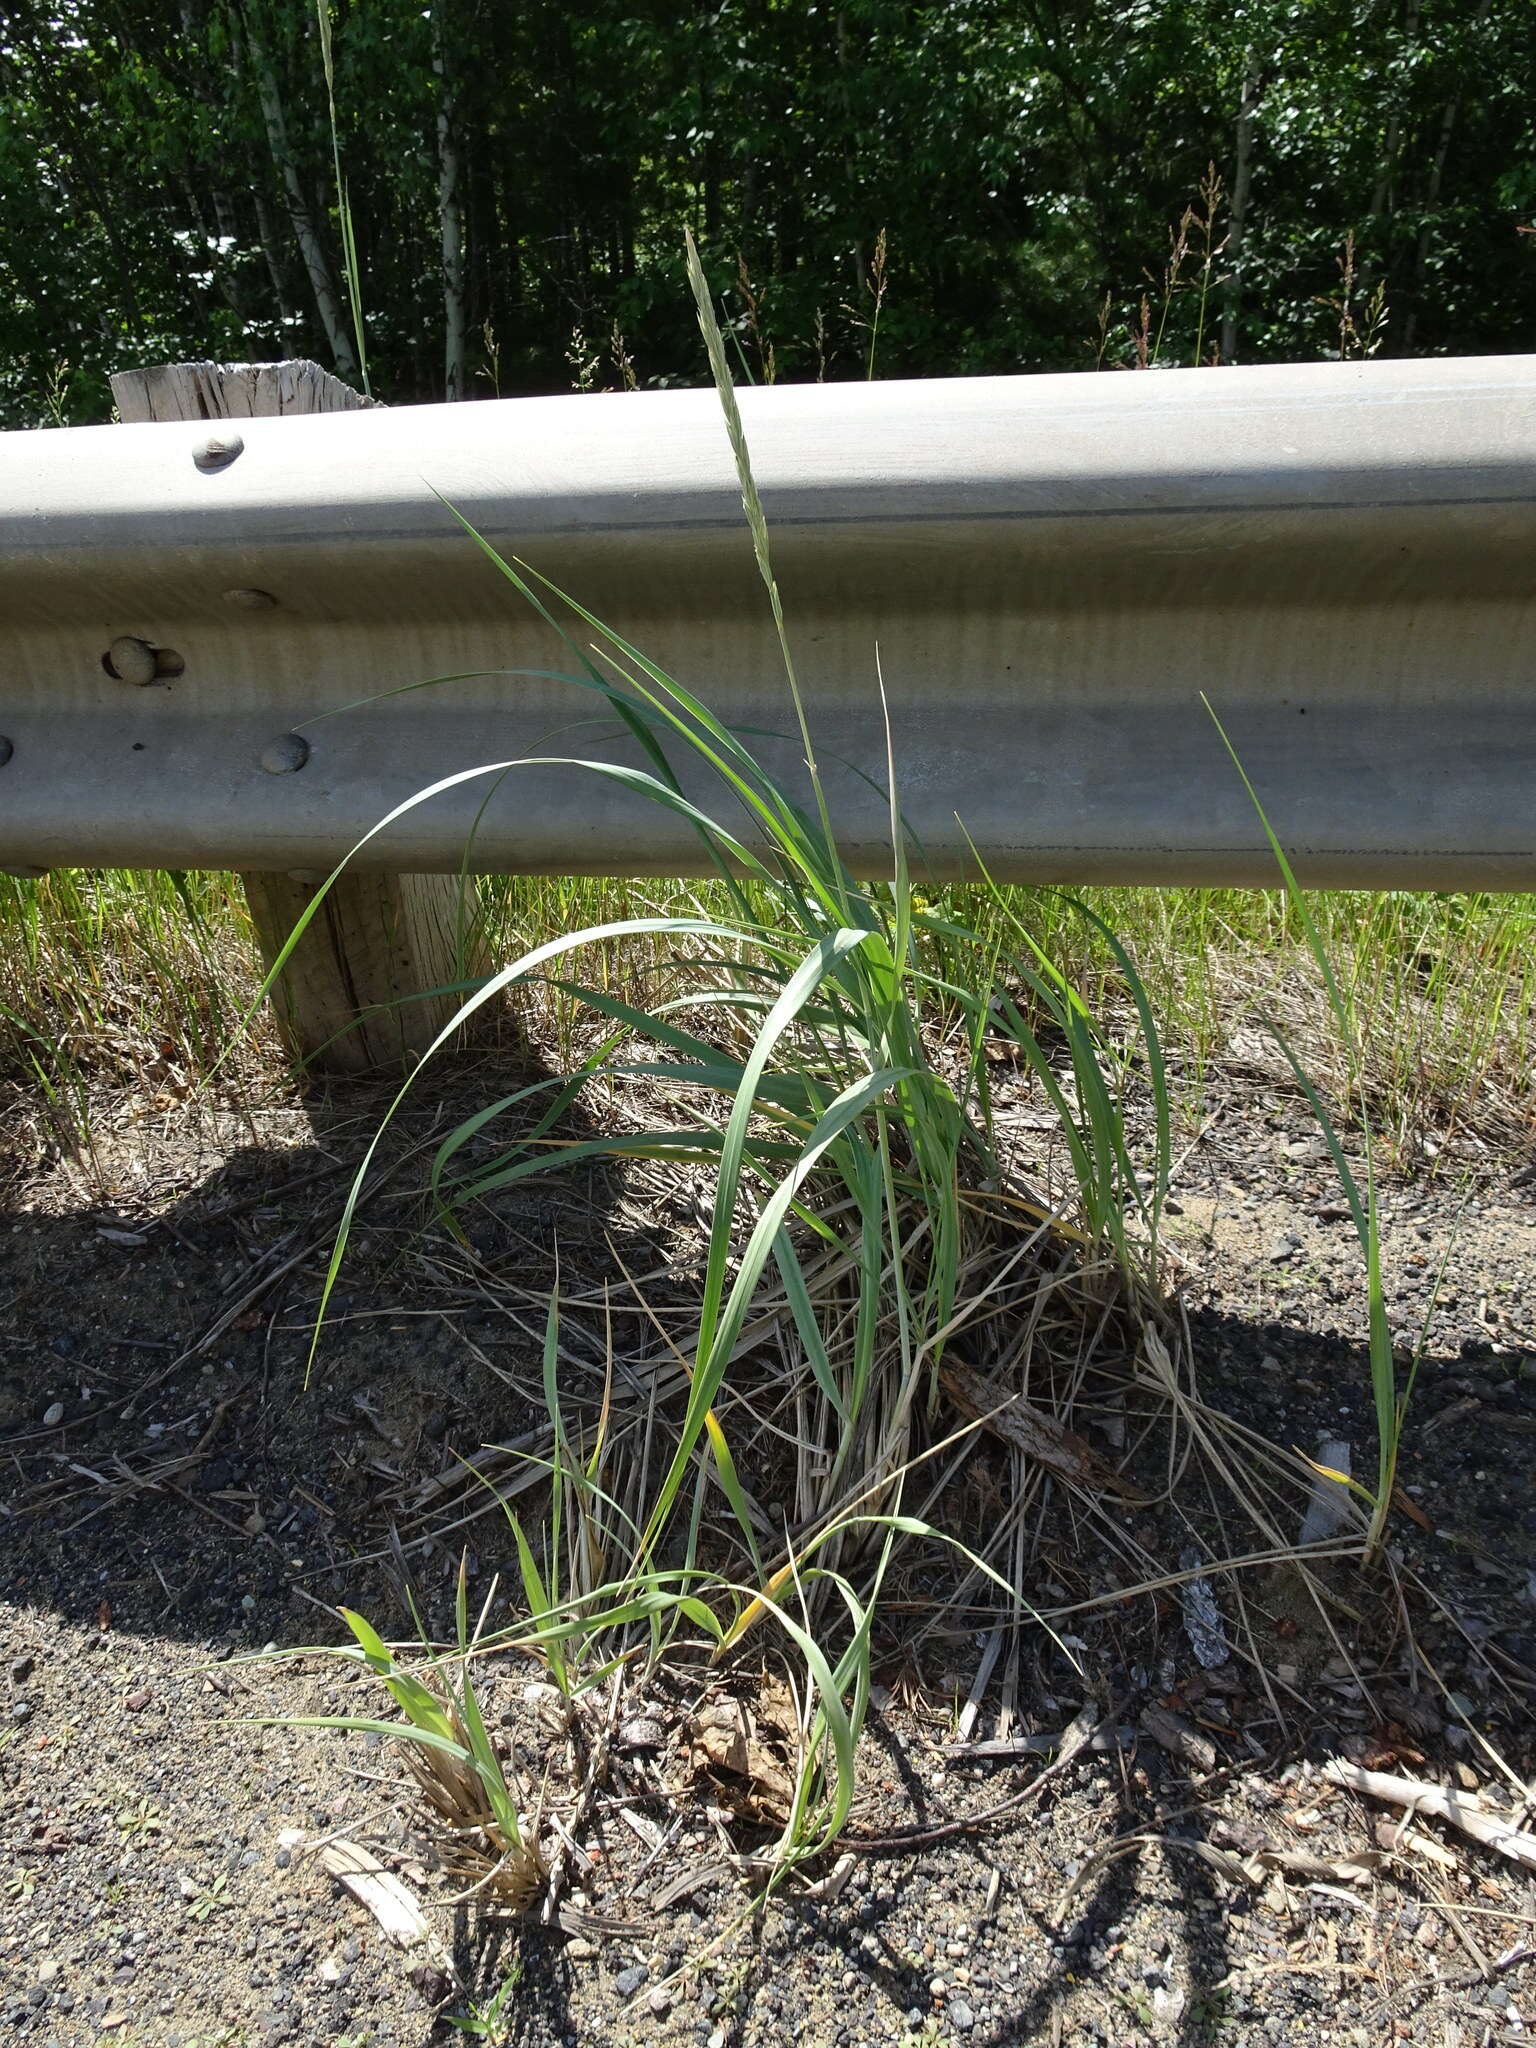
(1075, 1738)
(1440, 1803)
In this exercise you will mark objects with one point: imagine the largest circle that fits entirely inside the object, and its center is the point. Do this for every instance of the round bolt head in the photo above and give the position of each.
(286, 754)
(218, 451)
(7, 748)
(250, 600)
(132, 661)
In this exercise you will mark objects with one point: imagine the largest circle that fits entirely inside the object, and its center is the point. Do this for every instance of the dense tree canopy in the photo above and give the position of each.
(1000, 182)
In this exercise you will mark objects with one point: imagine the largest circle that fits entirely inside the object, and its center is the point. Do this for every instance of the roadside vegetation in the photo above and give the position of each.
(111, 978)
(920, 1349)
(885, 1280)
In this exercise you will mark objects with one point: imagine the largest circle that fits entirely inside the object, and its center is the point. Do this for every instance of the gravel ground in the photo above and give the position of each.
(169, 1521)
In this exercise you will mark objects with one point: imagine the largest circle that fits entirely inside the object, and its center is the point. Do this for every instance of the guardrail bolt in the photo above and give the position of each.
(286, 754)
(6, 750)
(251, 600)
(131, 661)
(218, 451)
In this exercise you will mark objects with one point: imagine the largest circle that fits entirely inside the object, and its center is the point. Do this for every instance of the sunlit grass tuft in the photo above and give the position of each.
(111, 978)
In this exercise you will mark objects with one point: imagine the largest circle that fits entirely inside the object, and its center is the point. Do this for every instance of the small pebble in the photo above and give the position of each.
(629, 1981)
(53, 1414)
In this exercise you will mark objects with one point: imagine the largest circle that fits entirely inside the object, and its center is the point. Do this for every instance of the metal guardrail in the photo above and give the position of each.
(1340, 556)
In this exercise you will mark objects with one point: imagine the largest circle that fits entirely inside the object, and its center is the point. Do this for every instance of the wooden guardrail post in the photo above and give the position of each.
(345, 995)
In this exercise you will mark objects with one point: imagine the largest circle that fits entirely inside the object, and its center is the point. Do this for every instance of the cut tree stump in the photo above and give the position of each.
(349, 998)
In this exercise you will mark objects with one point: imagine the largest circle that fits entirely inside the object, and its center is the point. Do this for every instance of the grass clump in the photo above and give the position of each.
(485, 1828)
(822, 1053)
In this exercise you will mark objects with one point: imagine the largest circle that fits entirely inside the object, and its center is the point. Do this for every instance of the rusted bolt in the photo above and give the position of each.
(6, 750)
(286, 754)
(131, 661)
(251, 600)
(218, 451)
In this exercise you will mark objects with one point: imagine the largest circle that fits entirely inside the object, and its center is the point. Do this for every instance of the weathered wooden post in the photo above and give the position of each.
(345, 995)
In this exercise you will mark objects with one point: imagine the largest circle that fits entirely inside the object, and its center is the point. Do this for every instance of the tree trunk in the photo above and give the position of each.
(1432, 200)
(1378, 244)
(301, 212)
(850, 164)
(1237, 212)
(271, 249)
(450, 213)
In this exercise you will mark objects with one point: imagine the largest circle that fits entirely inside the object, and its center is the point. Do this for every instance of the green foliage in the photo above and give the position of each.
(1023, 160)
(858, 1189)
(203, 1901)
(1391, 1405)
(490, 2020)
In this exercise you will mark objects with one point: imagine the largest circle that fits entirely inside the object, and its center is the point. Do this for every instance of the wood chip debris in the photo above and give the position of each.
(832, 1886)
(1015, 1422)
(1398, 1837)
(392, 1903)
(1179, 1737)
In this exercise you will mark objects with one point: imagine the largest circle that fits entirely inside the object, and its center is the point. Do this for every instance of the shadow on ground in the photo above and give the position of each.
(171, 1447)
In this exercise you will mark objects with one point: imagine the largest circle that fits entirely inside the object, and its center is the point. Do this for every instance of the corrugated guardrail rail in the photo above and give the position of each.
(1340, 556)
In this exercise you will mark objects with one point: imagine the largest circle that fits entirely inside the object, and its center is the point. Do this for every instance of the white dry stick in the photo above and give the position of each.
(1328, 1508)
(1440, 1804)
